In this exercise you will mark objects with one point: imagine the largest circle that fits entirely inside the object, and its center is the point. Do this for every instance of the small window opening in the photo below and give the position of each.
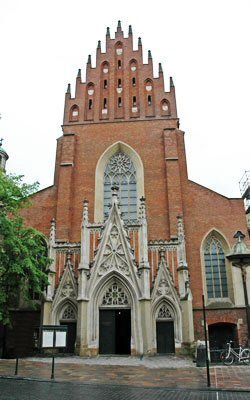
(119, 64)
(119, 102)
(119, 83)
(90, 104)
(133, 81)
(105, 103)
(134, 101)
(105, 84)
(149, 100)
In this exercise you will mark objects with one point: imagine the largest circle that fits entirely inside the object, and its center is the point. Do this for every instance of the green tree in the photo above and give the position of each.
(23, 254)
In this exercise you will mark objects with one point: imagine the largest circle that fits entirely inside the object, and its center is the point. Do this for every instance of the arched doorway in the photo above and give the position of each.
(68, 318)
(219, 334)
(115, 321)
(165, 335)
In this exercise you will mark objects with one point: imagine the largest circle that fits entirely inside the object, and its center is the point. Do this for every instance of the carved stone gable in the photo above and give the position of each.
(163, 287)
(114, 255)
(67, 288)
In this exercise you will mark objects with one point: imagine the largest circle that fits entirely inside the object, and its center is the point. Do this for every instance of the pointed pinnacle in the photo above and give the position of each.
(119, 25)
(130, 30)
(89, 59)
(149, 55)
(79, 73)
(171, 82)
(68, 88)
(108, 31)
(139, 41)
(99, 44)
(160, 68)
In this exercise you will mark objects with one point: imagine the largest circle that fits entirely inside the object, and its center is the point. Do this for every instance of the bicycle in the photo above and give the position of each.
(229, 356)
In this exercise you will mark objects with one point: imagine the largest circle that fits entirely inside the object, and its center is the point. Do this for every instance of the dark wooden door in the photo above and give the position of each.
(114, 331)
(165, 337)
(107, 332)
(71, 337)
(123, 331)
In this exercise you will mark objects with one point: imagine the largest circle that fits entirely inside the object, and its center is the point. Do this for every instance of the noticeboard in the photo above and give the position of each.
(54, 336)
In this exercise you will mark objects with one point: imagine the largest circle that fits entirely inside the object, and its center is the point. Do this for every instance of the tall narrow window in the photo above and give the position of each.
(149, 100)
(134, 101)
(133, 81)
(121, 172)
(90, 104)
(119, 102)
(105, 84)
(119, 83)
(119, 64)
(105, 103)
(215, 269)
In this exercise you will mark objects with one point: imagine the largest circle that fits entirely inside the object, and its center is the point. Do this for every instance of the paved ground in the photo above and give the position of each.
(12, 389)
(171, 372)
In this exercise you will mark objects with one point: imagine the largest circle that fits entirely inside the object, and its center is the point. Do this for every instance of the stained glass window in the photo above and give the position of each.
(121, 172)
(215, 268)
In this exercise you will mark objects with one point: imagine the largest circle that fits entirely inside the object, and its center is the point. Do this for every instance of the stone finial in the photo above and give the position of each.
(119, 26)
(68, 89)
(139, 41)
(108, 31)
(160, 69)
(99, 44)
(130, 30)
(115, 190)
(52, 233)
(142, 209)
(89, 59)
(149, 55)
(240, 246)
(162, 254)
(171, 82)
(79, 73)
(68, 260)
(85, 214)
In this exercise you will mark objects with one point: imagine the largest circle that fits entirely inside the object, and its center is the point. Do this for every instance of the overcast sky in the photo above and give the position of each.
(203, 44)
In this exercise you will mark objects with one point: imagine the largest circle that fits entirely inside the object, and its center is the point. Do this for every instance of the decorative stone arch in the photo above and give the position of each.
(57, 313)
(176, 317)
(99, 174)
(216, 233)
(96, 302)
(165, 107)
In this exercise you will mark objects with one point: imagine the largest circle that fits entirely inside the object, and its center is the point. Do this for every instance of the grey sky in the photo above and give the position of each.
(204, 45)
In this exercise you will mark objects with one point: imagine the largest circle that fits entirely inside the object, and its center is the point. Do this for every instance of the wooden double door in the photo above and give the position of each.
(114, 331)
(165, 337)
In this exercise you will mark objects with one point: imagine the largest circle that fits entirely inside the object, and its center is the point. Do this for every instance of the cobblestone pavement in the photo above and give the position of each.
(171, 372)
(13, 389)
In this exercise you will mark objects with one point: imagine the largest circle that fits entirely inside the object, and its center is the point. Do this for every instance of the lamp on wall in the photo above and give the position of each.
(240, 257)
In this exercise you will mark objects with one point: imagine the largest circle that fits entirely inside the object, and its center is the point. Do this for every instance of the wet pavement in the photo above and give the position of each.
(151, 372)
(14, 389)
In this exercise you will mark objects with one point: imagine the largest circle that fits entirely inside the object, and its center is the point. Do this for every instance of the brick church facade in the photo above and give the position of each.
(135, 243)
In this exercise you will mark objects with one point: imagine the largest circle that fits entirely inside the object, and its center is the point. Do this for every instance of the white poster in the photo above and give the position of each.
(47, 338)
(61, 339)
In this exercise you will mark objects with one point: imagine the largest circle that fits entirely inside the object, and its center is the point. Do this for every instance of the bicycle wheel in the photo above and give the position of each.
(226, 358)
(246, 356)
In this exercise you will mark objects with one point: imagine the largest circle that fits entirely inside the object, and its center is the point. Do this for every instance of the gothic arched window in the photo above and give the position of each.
(120, 171)
(215, 269)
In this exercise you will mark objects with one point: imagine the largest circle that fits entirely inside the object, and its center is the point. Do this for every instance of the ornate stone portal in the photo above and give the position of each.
(116, 277)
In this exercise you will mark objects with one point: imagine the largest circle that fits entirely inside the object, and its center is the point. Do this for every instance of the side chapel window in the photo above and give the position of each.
(215, 268)
(120, 171)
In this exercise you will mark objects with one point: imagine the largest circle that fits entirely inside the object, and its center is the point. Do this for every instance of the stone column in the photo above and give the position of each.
(47, 306)
(144, 273)
(82, 321)
(184, 289)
